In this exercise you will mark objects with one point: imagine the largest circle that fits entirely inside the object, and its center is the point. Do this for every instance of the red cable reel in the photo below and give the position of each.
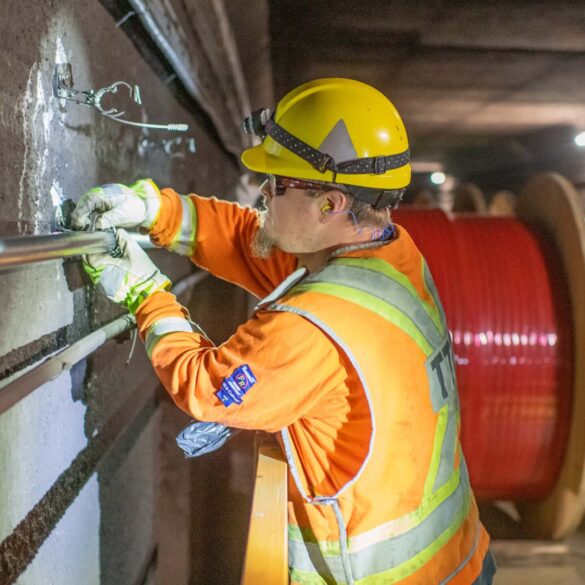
(507, 308)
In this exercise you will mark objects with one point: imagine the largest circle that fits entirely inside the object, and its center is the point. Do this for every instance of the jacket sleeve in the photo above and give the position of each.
(217, 236)
(276, 369)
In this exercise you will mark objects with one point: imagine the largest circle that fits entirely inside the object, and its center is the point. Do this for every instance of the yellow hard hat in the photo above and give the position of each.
(332, 130)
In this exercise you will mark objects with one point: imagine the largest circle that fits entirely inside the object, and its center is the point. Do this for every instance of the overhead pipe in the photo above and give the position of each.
(187, 74)
(15, 390)
(19, 250)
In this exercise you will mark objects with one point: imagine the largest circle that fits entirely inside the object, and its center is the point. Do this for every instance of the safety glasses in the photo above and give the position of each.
(278, 185)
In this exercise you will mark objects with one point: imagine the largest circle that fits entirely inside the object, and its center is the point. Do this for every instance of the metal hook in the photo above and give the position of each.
(93, 98)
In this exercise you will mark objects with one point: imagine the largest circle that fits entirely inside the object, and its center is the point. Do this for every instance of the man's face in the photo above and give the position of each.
(290, 222)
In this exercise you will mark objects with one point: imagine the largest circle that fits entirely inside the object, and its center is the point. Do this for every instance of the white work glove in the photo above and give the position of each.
(127, 280)
(117, 205)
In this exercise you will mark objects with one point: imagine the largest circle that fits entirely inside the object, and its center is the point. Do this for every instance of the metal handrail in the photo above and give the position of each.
(19, 250)
(22, 384)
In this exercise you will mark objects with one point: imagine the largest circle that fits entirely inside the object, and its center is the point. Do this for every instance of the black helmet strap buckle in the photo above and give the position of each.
(255, 123)
(379, 165)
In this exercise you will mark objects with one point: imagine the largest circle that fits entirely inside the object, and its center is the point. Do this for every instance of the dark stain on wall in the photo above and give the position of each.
(19, 548)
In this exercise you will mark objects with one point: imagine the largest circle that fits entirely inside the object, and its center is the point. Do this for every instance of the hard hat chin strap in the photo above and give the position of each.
(260, 124)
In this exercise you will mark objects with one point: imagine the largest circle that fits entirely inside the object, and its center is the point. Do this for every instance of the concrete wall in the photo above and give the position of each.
(80, 458)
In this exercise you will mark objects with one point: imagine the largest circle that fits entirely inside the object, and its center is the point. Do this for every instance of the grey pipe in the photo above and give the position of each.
(28, 249)
(187, 74)
(14, 390)
(183, 71)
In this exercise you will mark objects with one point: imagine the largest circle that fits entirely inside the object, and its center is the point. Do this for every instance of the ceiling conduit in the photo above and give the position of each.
(184, 51)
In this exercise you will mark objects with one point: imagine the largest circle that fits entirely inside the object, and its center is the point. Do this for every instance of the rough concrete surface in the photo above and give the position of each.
(79, 463)
(35, 447)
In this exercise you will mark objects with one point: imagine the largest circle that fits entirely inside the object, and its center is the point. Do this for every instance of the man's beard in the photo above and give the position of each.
(262, 245)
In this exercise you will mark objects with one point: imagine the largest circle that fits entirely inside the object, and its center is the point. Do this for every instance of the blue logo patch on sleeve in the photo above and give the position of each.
(236, 385)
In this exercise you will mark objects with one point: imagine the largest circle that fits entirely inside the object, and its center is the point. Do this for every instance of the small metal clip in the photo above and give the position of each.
(63, 89)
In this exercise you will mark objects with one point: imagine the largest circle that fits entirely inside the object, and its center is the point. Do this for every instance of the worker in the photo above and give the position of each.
(347, 357)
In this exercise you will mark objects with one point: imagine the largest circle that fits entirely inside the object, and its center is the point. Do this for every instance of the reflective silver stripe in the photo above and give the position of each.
(311, 560)
(163, 327)
(393, 552)
(345, 565)
(467, 558)
(448, 450)
(431, 287)
(282, 288)
(292, 465)
(384, 288)
(383, 267)
(184, 241)
(309, 557)
(324, 327)
(343, 543)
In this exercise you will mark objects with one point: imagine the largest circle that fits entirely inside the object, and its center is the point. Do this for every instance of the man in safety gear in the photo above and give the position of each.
(347, 357)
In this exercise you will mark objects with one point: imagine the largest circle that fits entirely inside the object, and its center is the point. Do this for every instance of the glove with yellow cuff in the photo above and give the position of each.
(117, 205)
(129, 279)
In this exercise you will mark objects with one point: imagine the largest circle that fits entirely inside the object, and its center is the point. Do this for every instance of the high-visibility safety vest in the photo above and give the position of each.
(416, 520)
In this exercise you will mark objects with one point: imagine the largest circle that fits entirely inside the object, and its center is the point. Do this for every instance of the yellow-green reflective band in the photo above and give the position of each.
(384, 288)
(372, 303)
(310, 560)
(309, 578)
(448, 450)
(306, 535)
(432, 290)
(416, 562)
(437, 450)
(388, 530)
(395, 558)
(184, 241)
(282, 288)
(389, 271)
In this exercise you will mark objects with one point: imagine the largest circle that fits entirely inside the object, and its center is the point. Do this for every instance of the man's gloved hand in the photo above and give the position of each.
(117, 205)
(127, 280)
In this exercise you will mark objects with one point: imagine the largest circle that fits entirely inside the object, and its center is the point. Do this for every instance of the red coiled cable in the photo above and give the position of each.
(508, 311)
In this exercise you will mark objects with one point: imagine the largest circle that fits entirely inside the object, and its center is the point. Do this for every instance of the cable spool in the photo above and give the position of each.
(509, 310)
(424, 199)
(503, 204)
(469, 198)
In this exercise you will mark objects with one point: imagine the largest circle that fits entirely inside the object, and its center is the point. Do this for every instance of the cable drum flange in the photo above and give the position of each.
(550, 203)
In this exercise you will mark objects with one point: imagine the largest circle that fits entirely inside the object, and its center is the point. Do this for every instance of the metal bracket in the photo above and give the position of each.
(63, 89)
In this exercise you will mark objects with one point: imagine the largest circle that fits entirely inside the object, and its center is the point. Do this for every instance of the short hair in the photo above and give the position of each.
(364, 212)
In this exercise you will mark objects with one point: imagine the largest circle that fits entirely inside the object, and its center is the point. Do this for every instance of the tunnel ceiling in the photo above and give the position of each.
(491, 79)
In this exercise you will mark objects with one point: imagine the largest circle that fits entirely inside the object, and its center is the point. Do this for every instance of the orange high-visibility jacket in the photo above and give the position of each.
(352, 365)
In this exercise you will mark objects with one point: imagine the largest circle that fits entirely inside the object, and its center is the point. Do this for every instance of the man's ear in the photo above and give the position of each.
(335, 200)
